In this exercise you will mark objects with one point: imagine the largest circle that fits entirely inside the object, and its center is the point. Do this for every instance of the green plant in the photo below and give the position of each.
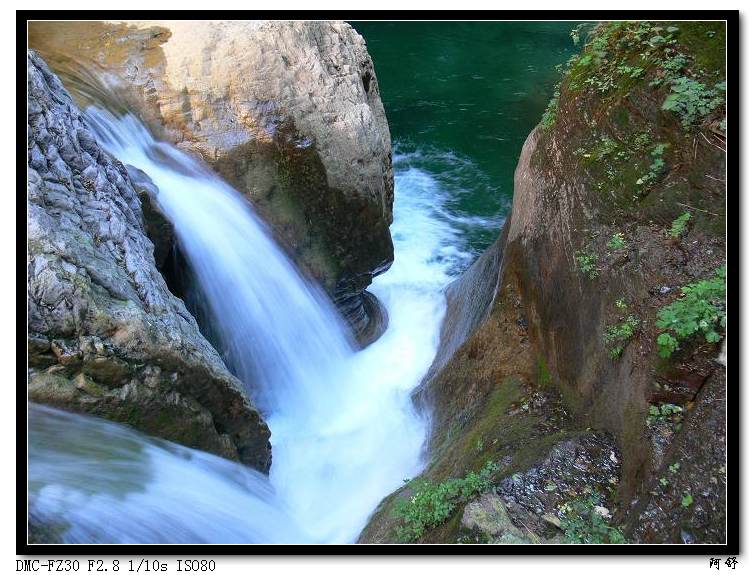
(620, 333)
(692, 100)
(679, 225)
(621, 304)
(605, 148)
(616, 242)
(666, 412)
(656, 167)
(583, 523)
(701, 309)
(687, 500)
(586, 262)
(432, 503)
(549, 116)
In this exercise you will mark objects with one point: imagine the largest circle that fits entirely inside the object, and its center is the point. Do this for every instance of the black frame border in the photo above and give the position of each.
(733, 396)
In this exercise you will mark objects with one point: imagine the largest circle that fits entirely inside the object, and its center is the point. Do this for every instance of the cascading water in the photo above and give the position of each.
(344, 430)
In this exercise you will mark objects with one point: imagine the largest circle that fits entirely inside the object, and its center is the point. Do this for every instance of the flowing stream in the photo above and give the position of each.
(344, 430)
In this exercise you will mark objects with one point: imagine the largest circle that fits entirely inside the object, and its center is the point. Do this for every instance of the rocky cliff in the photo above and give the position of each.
(106, 336)
(592, 384)
(287, 112)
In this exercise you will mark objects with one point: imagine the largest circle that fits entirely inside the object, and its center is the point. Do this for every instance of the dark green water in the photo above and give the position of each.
(461, 98)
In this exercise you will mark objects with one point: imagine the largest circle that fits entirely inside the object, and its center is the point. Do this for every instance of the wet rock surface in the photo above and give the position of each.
(587, 464)
(288, 112)
(532, 506)
(106, 337)
(156, 225)
(686, 502)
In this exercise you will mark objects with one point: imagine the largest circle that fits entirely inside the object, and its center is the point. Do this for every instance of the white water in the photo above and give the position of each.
(344, 430)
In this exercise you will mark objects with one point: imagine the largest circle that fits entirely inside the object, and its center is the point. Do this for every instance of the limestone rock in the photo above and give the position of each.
(106, 336)
(487, 515)
(287, 112)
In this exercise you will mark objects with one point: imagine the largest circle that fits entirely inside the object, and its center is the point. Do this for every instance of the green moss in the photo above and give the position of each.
(620, 116)
(471, 445)
(89, 386)
(679, 225)
(706, 42)
(543, 375)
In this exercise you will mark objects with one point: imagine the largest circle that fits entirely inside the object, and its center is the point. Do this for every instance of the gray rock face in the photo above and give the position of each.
(106, 336)
(287, 112)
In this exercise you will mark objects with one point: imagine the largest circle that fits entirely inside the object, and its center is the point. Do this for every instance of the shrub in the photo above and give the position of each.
(432, 503)
(700, 310)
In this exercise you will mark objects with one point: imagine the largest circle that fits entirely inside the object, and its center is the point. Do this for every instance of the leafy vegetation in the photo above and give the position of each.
(549, 116)
(679, 225)
(617, 335)
(432, 503)
(584, 523)
(616, 242)
(656, 167)
(618, 56)
(692, 100)
(667, 412)
(587, 263)
(700, 310)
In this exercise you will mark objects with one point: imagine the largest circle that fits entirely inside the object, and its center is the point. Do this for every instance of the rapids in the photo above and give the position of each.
(345, 432)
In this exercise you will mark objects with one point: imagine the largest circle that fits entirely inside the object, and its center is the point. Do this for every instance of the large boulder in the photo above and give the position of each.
(106, 336)
(287, 112)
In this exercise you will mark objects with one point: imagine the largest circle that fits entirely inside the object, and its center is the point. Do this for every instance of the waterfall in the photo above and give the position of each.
(344, 430)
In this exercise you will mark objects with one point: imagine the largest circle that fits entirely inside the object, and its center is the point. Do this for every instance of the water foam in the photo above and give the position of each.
(344, 430)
